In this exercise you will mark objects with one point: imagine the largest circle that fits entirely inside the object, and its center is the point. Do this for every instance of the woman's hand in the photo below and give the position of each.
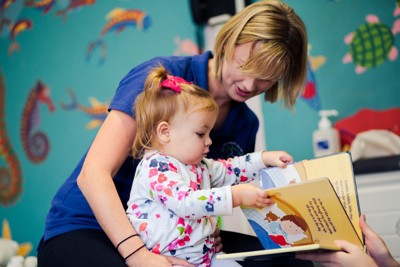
(351, 255)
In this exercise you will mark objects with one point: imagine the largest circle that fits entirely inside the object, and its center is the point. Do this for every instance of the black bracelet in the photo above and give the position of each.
(125, 240)
(133, 252)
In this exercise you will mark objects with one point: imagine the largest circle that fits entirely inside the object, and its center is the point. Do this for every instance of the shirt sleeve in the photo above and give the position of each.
(241, 169)
(180, 192)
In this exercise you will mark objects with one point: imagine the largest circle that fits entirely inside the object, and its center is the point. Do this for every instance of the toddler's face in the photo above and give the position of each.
(190, 136)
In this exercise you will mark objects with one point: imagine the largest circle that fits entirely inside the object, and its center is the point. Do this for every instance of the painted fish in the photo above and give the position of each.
(97, 111)
(44, 5)
(20, 26)
(118, 19)
(73, 4)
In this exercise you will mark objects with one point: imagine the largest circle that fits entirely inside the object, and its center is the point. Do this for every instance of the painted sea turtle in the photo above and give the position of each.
(371, 44)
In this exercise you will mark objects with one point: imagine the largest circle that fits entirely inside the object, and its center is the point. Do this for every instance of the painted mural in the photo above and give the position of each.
(35, 142)
(16, 29)
(372, 44)
(10, 167)
(117, 20)
(310, 93)
(97, 111)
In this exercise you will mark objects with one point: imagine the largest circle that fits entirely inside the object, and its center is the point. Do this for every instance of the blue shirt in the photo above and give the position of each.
(70, 210)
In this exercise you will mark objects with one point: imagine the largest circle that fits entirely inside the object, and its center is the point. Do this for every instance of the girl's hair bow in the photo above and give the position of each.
(174, 83)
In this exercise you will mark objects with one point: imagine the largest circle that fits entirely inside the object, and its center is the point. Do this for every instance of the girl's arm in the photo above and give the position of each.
(245, 168)
(105, 156)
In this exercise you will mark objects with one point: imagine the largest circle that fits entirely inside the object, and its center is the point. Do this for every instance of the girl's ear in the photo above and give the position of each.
(163, 132)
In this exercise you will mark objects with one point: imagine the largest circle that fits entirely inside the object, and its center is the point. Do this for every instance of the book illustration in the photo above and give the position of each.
(279, 225)
(337, 167)
(305, 213)
(309, 212)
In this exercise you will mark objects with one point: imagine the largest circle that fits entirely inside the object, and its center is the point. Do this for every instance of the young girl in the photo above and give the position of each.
(177, 193)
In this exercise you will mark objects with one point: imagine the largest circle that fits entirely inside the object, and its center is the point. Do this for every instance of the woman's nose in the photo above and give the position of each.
(249, 83)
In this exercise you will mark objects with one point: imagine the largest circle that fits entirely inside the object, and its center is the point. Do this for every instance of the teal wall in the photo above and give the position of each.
(339, 87)
(54, 51)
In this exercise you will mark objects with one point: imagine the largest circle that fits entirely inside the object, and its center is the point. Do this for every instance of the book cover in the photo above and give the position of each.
(309, 212)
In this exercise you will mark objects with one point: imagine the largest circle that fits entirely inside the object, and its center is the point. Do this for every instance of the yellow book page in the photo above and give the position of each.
(318, 213)
(339, 169)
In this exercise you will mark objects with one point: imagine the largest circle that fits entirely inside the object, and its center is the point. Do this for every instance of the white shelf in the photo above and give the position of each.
(379, 197)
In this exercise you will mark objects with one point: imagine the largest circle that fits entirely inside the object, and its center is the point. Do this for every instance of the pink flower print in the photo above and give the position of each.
(193, 169)
(182, 242)
(172, 167)
(188, 229)
(158, 216)
(182, 194)
(227, 165)
(152, 172)
(180, 221)
(172, 184)
(142, 226)
(168, 192)
(244, 178)
(199, 178)
(162, 199)
(193, 185)
(162, 178)
(156, 249)
(152, 185)
(159, 187)
(134, 206)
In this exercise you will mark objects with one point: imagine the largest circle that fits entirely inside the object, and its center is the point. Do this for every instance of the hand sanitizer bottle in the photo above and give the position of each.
(326, 138)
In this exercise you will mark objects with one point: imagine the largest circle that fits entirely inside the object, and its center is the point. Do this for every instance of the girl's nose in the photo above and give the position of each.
(208, 141)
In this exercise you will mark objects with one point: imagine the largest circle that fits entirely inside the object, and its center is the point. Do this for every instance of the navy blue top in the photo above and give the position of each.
(70, 210)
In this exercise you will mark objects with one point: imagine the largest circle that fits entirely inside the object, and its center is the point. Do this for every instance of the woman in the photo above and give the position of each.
(261, 50)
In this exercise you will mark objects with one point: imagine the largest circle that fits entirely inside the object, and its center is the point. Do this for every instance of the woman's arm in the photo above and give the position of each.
(105, 156)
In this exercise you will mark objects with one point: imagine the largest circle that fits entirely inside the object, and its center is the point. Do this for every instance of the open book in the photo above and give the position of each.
(315, 203)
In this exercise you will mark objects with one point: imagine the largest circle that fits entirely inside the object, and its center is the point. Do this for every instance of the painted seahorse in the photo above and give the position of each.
(10, 170)
(35, 143)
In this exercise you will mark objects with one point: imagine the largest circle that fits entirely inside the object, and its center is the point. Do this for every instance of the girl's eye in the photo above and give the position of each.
(200, 134)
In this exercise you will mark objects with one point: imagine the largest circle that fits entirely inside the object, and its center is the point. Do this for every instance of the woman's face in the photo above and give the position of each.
(237, 85)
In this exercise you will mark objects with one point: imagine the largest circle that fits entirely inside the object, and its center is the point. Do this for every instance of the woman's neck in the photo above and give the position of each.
(217, 91)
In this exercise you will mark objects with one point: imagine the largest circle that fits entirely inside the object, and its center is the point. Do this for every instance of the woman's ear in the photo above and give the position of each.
(163, 131)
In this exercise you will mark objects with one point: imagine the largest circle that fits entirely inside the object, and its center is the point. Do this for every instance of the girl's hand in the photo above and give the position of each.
(145, 258)
(250, 195)
(217, 240)
(276, 158)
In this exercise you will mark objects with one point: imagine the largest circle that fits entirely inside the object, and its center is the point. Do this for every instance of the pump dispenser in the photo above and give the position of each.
(326, 138)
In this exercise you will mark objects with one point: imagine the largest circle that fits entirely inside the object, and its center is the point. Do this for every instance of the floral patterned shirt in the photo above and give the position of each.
(174, 207)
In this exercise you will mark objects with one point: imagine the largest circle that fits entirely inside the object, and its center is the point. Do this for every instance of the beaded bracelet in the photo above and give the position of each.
(134, 252)
(125, 240)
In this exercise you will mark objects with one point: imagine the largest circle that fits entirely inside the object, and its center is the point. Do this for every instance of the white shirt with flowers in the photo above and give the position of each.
(174, 207)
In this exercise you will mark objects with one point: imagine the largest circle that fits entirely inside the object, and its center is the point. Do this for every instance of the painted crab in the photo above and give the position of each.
(371, 44)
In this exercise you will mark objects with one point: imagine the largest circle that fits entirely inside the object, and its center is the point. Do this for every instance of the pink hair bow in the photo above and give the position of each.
(174, 83)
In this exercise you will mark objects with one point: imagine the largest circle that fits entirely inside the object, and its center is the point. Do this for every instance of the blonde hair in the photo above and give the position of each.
(156, 104)
(279, 49)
